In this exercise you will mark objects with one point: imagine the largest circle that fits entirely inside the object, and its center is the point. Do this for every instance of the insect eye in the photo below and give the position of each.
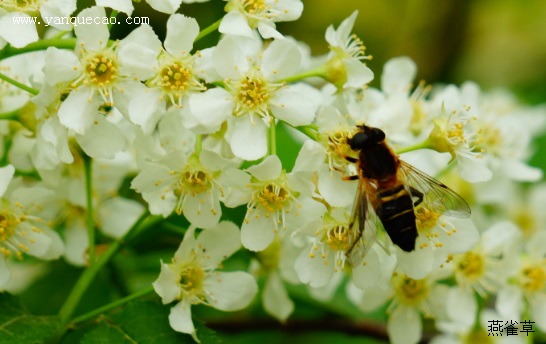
(378, 135)
(358, 141)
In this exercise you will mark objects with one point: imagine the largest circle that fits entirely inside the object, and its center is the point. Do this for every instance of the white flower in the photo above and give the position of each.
(18, 32)
(276, 262)
(171, 79)
(453, 133)
(22, 229)
(253, 94)
(243, 16)
(410, 299)
(113, 215)
(440, 235)
(345, 68)
(275, 200)
(528, 285)
(191, 277)
(483, 270)
(332, 237)
(189, 185)
(96, 74)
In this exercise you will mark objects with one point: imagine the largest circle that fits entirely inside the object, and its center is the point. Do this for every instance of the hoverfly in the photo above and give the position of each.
(394, 190)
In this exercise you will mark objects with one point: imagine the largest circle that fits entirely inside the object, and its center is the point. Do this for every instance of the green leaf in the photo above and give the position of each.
(144, 322)
(17, 325)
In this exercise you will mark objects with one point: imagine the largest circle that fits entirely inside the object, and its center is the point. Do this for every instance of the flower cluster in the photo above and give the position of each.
(193, 134)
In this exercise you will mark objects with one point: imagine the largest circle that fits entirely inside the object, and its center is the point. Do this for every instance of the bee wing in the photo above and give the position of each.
(362, 226)
(433, 194)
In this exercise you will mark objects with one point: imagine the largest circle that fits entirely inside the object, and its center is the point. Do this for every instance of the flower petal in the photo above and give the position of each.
(125, 6)
(165, 6)
(94, 36)
(102, 139)
(166, 285)
(180, 319)
(235, 23)
(18, 35)
(219, 243)
(269, 169)
(230, 291)
(275, 298)
(404, 326)
(257, 231)
(181, 32)
(280, 60)
(6, 174)
(248, 140)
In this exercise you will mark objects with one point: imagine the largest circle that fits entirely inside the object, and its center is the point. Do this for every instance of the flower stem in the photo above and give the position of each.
(18, 84)
(272, 137)
(12, 115)
(212, 27)
(89, 274)
(90, 222)
(198, 144)
(422, 145)
(320, 72)
(309, 130)
(69, 43)
(110, 22)
(111, 305)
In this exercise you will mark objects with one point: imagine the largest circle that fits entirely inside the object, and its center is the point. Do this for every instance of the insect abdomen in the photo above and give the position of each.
(395, 210)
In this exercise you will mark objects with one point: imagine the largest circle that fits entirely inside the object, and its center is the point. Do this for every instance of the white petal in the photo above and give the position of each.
(210, 109)
(269, 169)
(166, 285)
(60, 65)
(180, 319)
(398, 74)
(280, 60)
(125, 6)
(366, 274)
(93, 36)
(336, 191)
(310, 158)
(181, 32)
(6, 174)
(165, 6)
(18, 35)
(316, 271)
(538, 311)
(77, 242)
(521, 172)
(292, 105)
(509, 302)
(235, 23)
(258, 232)
(137, 61)
(55, 248)
(202, 210)
(234, 55)
(287, 10)
(416, 264)
(404, 326)
(230, 291)
(461, 306)
(358, 74)
(145, 109)
(102, 140)
(267, 30)
(219, 243)
(248, 141)
(118, 215)
(77, 112)
(275, 298)
(473, 169)
(5, 274)
(465, 237)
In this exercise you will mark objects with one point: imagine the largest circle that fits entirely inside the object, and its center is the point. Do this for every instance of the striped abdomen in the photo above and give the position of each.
(394, 207)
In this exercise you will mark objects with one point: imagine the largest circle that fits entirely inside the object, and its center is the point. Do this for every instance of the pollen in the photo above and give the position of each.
(471, 265)
(191, 280)
(409, 291)
(534, 278)
(101, 70)
(273, 197)
(253, 93)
